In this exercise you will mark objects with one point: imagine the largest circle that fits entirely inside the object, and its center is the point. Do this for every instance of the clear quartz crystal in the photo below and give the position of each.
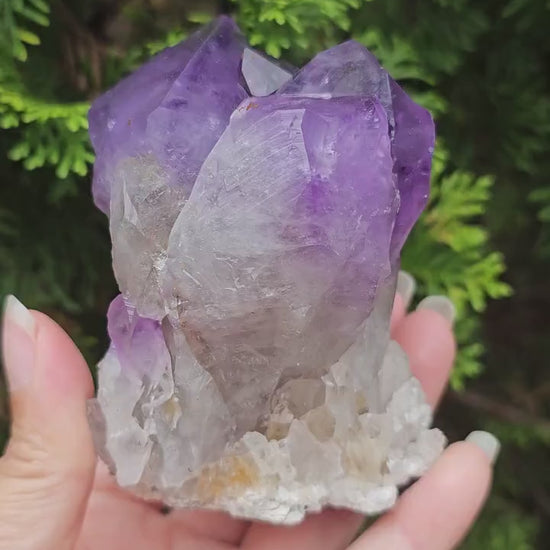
(257, 215)
(263, 76)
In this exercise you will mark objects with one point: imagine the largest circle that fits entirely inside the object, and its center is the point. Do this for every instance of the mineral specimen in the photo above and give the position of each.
(257, 215)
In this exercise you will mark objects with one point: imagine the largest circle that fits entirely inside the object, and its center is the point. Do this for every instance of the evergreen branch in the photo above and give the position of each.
(14, 16)
(51, 133)
(305, 25)
(446, 250)
(397, 55)
(447, 253)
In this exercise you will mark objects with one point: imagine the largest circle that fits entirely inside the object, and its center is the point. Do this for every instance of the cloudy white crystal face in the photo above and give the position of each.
(256, 243)
(262, 76)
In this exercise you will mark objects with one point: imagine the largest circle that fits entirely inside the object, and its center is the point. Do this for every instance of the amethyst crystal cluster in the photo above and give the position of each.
(257, 214)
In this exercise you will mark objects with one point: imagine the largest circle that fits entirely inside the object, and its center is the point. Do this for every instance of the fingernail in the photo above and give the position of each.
(441, 305)
(18, 343)
(406, 286)
(487, 442)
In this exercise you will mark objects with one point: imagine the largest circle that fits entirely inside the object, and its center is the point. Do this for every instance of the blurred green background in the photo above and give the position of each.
(482, 68)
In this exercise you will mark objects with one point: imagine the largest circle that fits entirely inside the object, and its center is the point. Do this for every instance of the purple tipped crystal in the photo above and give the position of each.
(175, 107)
(256, 242)
(351, 70)
(138, 342)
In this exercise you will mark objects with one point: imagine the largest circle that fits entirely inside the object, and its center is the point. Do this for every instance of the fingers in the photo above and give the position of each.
(331, 529)
(217, 526)
(118, 519)
(398, 313)
(427, 338)
(436, 512)
(47, 471)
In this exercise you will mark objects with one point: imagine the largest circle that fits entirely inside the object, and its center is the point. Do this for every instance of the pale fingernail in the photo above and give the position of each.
(18, 343)
(406, 286)
(439, 304)
(487, 442)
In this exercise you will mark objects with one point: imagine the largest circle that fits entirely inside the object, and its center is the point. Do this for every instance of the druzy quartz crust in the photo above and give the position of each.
(257, 213)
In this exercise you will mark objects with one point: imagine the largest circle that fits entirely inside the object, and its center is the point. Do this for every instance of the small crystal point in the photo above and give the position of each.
(263, 76)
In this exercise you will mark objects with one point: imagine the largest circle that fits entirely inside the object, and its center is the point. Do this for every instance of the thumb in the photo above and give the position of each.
(47, 471)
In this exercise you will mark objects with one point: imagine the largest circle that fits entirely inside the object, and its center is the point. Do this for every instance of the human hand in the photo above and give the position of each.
(52, 496)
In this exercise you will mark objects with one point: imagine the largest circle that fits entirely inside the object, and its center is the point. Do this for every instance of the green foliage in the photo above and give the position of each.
(397, 55)
(447, 253)
(508, 108)
(301, 25)
(438, 33)
(51, 133)
(502, 527)
(525, 130)
(446, 250)
(171, 39)
(17, 18)
(522, 435)
(541, 198)
(69, 229)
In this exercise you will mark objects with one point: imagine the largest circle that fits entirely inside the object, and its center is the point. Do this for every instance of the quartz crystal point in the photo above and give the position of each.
(263, 77)
(257, 215)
